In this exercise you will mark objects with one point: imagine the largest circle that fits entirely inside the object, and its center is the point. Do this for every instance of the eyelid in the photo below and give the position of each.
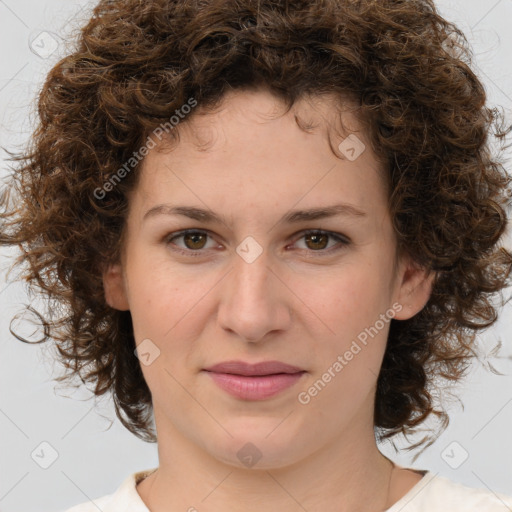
(342, 240)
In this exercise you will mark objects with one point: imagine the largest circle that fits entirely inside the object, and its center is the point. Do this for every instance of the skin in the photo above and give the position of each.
(292, 304)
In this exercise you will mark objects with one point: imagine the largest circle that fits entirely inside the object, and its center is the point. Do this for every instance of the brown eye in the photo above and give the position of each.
(194, 240)
(190, 242)
(322, 242)
(317, 241)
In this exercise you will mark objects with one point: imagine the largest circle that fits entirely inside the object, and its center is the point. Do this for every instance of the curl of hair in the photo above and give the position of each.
(136, 63)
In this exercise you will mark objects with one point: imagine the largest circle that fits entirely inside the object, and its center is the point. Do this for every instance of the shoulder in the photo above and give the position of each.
(125, 497)
(433, 493)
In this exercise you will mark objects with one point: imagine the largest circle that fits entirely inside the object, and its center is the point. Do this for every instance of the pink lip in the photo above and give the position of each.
(254, 381)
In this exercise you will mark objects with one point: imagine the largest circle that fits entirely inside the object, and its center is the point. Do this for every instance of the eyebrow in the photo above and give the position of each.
(294, 216)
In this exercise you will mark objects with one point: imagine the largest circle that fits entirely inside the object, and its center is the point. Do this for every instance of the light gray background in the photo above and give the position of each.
(95, 453)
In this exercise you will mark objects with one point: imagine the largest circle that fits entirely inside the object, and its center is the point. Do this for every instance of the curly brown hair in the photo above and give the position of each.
(136, 63)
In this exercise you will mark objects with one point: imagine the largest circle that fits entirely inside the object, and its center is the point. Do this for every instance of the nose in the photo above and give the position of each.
(254, 301)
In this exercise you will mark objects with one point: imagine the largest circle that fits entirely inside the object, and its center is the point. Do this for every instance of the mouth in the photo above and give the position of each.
(250, 370)
(258, 381)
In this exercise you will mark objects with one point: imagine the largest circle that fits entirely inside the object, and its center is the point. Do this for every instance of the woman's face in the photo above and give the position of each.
(258, 282)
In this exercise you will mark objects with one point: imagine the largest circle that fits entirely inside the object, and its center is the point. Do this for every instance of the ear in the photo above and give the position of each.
(414, 288)
(115, 288)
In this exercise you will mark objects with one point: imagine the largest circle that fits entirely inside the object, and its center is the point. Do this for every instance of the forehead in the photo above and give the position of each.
(327, 114)
(250, 150)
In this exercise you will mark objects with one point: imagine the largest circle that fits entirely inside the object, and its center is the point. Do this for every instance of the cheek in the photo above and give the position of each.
(350, 300)
(167, 310)
(170, 306)
(153, 305)
(349, 353)
(351, 349)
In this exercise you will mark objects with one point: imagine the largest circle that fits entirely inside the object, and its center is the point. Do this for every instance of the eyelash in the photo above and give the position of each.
(342, 241)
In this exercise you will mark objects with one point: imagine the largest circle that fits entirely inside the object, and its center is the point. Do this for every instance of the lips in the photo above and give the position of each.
(258, 369)
(259, 381)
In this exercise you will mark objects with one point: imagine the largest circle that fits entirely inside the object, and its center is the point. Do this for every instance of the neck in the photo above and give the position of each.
(349, 474)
